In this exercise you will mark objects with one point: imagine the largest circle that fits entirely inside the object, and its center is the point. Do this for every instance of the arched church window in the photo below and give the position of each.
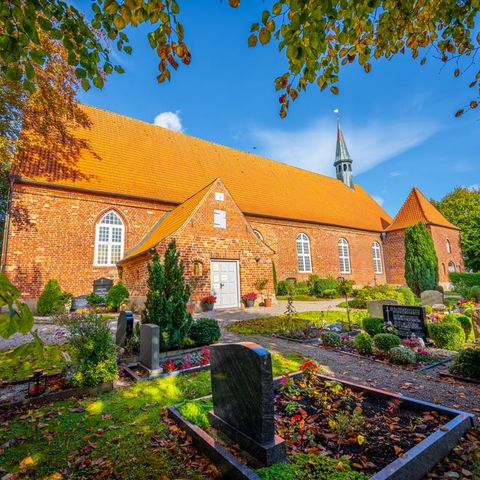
(377, 257)
(303, 253)
(258, 234)
(451, 267)
(444, 270)
(109, 239)
(344, 256)
(449, 246)
(197, 269)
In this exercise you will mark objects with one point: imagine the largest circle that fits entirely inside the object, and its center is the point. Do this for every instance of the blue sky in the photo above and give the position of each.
(398, 120)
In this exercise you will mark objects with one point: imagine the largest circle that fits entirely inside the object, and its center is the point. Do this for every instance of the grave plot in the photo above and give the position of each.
(312, 422)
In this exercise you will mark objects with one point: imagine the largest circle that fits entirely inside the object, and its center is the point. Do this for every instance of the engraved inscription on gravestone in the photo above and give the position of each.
(407, 320)
(101, 286)
(79, 302)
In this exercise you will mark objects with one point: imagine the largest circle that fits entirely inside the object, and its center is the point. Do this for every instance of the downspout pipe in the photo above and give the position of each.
(7, 225)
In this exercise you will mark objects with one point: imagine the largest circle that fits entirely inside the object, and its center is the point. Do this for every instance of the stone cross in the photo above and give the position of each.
(124, 328)
(242, 393)
(431, 297)
(150, 347)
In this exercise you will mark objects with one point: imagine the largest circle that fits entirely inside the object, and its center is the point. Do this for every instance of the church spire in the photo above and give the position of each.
(343, 161)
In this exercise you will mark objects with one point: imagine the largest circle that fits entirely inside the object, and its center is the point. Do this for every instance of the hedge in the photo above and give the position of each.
(467, 279)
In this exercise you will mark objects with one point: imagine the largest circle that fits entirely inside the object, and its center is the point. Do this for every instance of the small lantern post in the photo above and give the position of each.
(342, 281)
(35, 386)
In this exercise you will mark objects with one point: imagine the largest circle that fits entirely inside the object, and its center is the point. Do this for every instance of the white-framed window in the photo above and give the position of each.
(377, 257)
(344, 256)
(109, 240)
(451, 267)
(220, 219)
(258, 234)
(449, 246)
(303, 253)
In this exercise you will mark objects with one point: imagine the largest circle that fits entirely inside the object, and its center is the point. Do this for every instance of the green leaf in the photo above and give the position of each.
(98, 82)
(119, 69)
(264, 35)
(85, 84)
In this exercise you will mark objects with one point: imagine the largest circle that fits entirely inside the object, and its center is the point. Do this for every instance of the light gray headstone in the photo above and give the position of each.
(150, 346)
(431, 297)
(375, 307)
(476, 323)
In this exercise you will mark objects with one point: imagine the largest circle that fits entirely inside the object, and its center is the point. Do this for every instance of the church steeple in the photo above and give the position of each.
(343, 161)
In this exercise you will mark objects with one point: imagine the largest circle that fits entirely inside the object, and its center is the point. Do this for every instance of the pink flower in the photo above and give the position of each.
(283, 381)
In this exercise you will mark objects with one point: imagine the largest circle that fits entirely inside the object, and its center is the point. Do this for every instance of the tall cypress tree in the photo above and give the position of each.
(167, 298)
(421, 262)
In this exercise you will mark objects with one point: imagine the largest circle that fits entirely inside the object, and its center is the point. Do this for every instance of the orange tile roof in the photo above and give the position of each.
(130, 157)
(169, 223)
(418, 209)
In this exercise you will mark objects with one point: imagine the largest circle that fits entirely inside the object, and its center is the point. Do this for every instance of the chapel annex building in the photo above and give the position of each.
(128, 187)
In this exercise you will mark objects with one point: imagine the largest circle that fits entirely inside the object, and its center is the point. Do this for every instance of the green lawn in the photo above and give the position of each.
(12, 368)
(284, 323)
(119, 434)
(302, 298)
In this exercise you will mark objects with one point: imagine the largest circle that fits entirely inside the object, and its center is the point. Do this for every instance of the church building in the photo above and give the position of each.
(101, 205)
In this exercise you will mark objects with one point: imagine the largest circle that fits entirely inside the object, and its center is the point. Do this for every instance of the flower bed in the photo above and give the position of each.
(361, 431)
(194, 360)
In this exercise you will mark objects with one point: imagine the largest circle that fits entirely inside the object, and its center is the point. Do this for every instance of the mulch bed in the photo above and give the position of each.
(327, 418)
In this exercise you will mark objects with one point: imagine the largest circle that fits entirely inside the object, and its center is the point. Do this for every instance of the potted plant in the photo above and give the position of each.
(249, 299)
(261, 285)
(208, 302)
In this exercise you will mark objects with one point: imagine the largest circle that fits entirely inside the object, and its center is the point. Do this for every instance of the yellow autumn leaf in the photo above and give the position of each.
(360, 439)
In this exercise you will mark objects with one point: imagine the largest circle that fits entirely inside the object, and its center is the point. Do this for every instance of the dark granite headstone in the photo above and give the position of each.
(150, 347)
(101, 286)
(79, 302)
(407, 320)
(242, 393)
(124, 328)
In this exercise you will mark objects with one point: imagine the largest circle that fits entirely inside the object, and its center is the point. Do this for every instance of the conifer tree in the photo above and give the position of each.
(421, 262)
(167, 298)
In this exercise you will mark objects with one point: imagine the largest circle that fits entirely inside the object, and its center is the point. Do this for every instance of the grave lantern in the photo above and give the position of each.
(37, 384)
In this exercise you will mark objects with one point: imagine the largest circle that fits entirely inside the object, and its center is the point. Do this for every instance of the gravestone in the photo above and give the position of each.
(407, 320)
(150, 347)
(242, 393)
(101, 286)
(431, 297)
(79, 302)
(476, 323)
(124, 328)
(375, 307)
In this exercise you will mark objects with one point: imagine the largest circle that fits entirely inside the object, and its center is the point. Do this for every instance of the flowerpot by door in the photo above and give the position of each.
(250, 303)
(267, 302)
(208, 306)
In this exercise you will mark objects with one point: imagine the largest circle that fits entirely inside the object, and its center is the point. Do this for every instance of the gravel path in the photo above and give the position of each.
(426, 386)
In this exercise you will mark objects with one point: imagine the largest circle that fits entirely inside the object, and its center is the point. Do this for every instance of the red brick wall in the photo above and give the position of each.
(53, 236)
(395, 253)
(282, 235)
(440, 236)
(200, 241)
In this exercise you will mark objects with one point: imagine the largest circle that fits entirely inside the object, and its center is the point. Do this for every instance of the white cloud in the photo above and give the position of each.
(395, 174)
(170, 120)
(369, 144)
(474, 187)
(378, 199)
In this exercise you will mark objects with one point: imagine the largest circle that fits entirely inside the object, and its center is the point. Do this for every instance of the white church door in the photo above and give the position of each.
(225, 283)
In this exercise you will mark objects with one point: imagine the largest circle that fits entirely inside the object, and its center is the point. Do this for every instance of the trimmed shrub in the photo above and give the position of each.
(94, 300)
(331, 339)
(421, 262)
(364, 343)
(330, 294)
(379, 292)
(319, 286)
(302, 288)
(373, 325)
(52, 299)
(408, 296)
(447, 335)
(116, 296)
(282, 287)
(402, 355)
(462, 320)
(205, 331)
(467, 363)
(386, 341)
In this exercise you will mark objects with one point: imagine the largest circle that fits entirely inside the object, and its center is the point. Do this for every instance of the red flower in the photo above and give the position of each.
(308, 364)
